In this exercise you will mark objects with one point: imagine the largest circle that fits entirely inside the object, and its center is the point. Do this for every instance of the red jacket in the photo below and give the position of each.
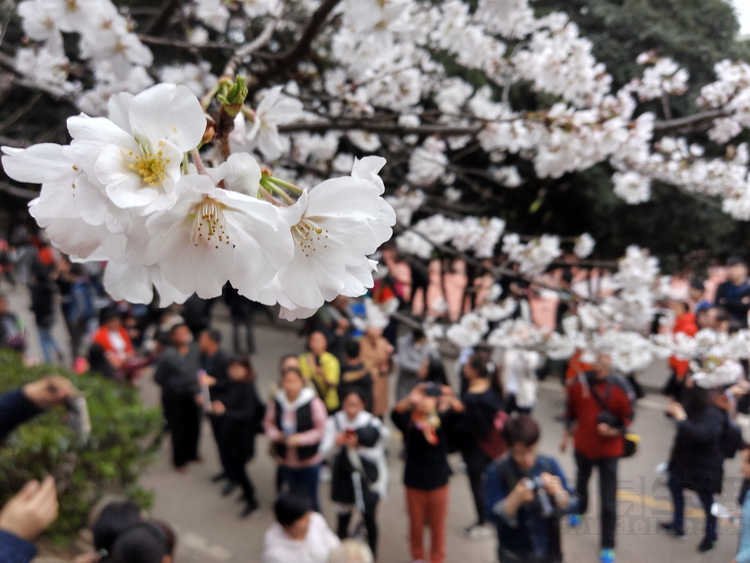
(583, 410)
(685, 324)
(101, 337)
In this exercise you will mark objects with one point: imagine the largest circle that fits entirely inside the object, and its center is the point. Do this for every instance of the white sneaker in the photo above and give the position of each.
(477, 531)
(325, 474)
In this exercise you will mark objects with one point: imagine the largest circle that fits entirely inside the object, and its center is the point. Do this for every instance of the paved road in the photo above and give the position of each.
(211, 532)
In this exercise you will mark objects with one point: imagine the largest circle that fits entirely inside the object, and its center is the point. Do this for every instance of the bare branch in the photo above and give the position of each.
(159, 24)
(379, 127)
(265, 36)
(688, 123)
(150, 40)
(302, 47)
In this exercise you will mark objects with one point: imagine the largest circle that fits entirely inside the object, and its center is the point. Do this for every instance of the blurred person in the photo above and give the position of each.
(295, 422)
(734, 294)
(19, 405)
(526, 494)
(743, 547)
(12, 334)
(411, 352)
(299, 535)
(214, 362)
(140, 542)
(480, 441)
(242, 313)
(424, 417)
(112, 520)
(322, 369)
(355, 375)
(517, 370)
(44, 306)
(377, 352)
(360, 472)
(116, 347)
(334, 320)
(351, 551)
(684, 323)
(77, 305)
(35, 506)
(696, 295)
(177, 374)
(24, 517)
(242, 412)
(697, 458)
(599, 409)
(6, 263)
(197, 314)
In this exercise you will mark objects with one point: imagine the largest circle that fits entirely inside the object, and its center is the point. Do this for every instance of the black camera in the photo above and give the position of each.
(540, 493)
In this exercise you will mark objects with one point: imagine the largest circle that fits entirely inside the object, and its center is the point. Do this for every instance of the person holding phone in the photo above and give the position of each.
(360, 472)
(424, 417)
(322, 369)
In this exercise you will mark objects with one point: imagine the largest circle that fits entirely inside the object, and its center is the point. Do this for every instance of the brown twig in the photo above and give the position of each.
(286, 61)
(160, 22)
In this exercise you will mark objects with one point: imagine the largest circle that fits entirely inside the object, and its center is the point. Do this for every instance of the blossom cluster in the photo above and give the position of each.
(125, 190)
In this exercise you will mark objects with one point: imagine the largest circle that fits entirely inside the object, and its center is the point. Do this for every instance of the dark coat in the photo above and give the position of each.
(698, 454)
(15, 409)
(342, 486)
(242, 420)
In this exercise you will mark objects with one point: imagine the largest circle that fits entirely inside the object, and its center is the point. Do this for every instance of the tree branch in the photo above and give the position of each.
(301, 48)
(378, 127)
(150, 40)
(159, 24)
(690, 122)
(265, 36)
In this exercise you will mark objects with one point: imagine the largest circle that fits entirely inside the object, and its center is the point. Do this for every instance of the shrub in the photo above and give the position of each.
(123, 441)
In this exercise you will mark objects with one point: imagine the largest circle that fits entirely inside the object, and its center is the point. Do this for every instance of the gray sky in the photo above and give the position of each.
(743, 12)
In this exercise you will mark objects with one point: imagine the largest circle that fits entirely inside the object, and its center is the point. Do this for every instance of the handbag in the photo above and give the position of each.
(630, 439)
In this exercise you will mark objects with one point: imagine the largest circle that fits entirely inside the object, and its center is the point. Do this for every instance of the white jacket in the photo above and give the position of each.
(279, 547)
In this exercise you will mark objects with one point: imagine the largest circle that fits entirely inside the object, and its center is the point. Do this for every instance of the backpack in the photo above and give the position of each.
(493, 444)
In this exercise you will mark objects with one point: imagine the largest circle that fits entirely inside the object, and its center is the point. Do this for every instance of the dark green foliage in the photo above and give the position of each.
(122, 443)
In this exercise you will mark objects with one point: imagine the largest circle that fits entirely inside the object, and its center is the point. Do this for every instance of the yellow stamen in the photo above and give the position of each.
(209, 226)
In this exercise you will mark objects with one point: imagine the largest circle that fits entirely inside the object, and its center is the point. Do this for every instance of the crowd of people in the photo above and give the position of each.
(333, 410)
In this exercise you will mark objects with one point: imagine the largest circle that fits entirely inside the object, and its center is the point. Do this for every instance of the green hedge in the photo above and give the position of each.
(123, 441)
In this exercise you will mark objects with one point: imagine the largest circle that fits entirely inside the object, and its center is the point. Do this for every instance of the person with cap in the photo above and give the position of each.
(599, 410)
(734, 294)
(698, 451)
(424, 417)
(359, 470)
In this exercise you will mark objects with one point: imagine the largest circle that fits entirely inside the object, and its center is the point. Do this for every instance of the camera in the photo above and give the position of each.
(78, 415)
(540, 493)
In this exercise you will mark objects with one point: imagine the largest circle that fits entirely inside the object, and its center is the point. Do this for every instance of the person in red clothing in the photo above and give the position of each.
(112, 351)
(599, 410)
(684, 323)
